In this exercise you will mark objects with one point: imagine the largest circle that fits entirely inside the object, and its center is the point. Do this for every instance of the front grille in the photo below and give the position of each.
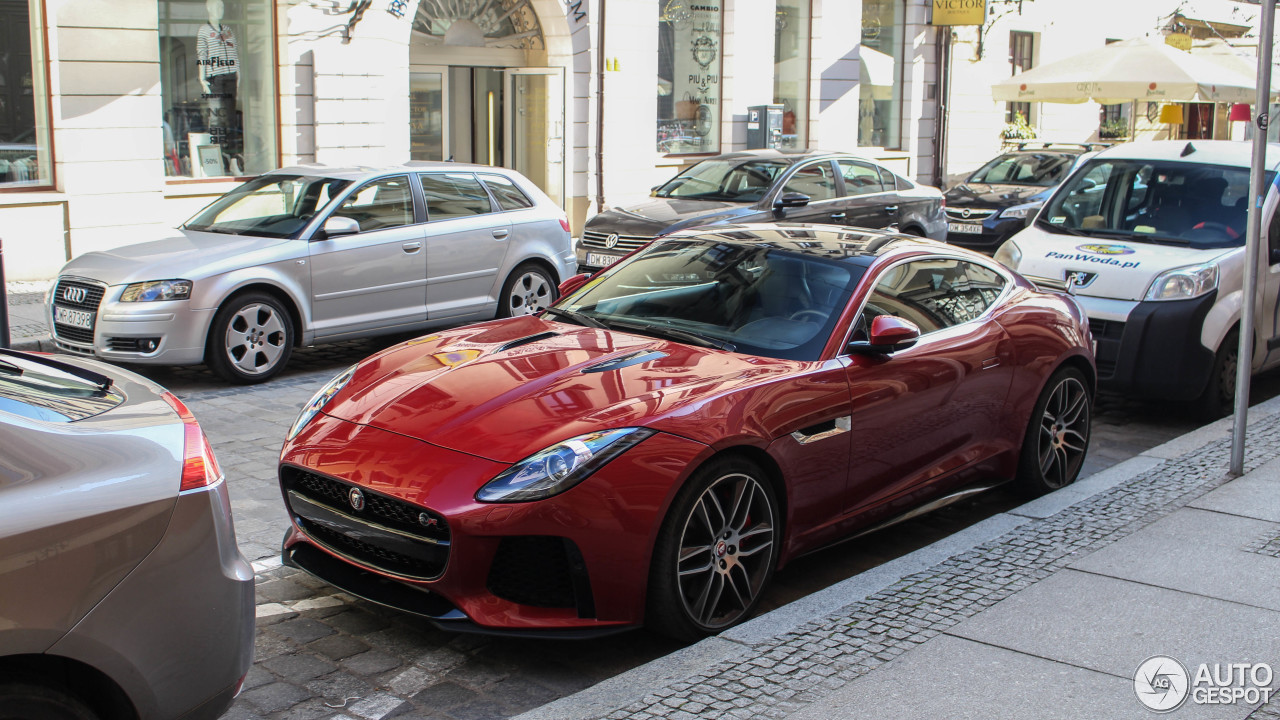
(93, 293)
(626, 243)
(957, 213)
(386, 534)
(541, 572)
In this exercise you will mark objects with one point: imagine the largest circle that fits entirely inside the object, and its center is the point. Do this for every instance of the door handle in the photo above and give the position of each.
(412, 247)
(891, 209)
(499, 234)
(837, 216)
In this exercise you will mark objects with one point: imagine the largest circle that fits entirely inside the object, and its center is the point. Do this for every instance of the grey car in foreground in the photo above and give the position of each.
(312, 254)
(123, 595)
(759, 186)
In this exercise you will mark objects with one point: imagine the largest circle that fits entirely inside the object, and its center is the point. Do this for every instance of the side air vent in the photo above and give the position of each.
(526, 340)
(635, 358)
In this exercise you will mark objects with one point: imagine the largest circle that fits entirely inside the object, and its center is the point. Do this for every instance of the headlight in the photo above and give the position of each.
(1021, 211)
(1184, 283)
(319, 400)
(156, 290)
(1009, 255)
(560, 466)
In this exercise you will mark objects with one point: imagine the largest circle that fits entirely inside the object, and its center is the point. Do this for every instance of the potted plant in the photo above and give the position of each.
(1113, 129)
(1019, 129)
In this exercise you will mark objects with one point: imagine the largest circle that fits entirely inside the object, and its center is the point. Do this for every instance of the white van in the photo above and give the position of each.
(1150, 238)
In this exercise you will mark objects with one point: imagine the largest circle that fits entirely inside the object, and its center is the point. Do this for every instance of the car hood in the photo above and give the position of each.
(186, 254)
(999, 196)
(1114, 268)
(663, 215)
(507, 389)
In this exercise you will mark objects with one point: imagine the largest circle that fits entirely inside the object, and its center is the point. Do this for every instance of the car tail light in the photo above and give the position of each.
(199, 466)
(564, 222)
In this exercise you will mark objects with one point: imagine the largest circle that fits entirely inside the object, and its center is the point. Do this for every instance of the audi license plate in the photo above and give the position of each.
(601, 260)
(74, 318)
(966, 228)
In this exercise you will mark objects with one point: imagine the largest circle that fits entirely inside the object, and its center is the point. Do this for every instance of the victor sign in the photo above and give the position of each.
(959, 12)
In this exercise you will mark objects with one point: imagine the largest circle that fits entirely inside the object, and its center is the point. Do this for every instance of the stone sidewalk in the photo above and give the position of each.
(1049, 616)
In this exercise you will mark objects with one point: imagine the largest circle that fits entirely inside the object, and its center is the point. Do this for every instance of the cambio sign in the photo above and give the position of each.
(959, 12)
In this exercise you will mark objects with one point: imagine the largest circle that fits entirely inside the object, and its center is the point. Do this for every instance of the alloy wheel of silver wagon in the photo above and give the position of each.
(1064, 432)
(531, 292)
(725, 551)
(256, 339)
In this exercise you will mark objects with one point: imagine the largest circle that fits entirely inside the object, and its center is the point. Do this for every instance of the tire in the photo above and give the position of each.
(250, 340)
(1057, 437)
(1219, 396)
(725, 525)
(528, 290)
(24, 701)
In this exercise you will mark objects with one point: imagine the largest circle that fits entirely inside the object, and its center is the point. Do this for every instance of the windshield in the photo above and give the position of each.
(1165, 202)
(725, 180)
(274, 206)
(757, 299)
(1035, 169)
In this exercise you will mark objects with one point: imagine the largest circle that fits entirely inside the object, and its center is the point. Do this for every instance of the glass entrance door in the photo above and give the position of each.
(536, 127)
(506, 117)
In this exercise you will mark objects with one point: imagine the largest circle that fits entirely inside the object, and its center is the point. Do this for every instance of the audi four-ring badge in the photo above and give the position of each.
(652, 447)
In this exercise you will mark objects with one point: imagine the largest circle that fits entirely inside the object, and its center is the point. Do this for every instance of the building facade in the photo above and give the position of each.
(121, 118)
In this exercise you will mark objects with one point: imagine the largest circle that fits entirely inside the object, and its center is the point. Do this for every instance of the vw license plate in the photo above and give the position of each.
(601, 260)
(967, 228)
(74, 318)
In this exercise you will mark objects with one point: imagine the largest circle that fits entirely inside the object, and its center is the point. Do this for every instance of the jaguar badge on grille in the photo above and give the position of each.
(74, 294)
(426, 520)
(356, 498)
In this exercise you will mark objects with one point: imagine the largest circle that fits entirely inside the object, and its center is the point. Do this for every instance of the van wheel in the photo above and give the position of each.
(1219, 396)
(23, 701)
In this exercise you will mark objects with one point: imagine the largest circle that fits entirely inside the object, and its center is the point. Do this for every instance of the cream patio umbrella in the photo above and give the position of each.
(1130, 70)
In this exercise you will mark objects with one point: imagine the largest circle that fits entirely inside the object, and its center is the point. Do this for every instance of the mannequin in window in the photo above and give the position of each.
(218, 61)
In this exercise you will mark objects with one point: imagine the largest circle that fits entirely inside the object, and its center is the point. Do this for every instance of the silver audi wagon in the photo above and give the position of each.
(311, 254)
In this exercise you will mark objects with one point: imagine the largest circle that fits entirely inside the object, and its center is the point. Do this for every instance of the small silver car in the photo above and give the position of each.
(122, 591)
(312, 254)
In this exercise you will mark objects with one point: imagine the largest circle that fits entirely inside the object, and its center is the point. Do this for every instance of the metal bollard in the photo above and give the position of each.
(4, 303)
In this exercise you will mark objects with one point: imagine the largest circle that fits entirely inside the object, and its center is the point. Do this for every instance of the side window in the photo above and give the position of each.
(860, 179)
(814, 180)
(508, 195)
(384, 203)
(888, 179)
(934, 294)
(453, 195)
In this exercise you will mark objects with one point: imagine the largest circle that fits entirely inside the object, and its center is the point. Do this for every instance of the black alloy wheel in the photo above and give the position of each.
(1057, 436)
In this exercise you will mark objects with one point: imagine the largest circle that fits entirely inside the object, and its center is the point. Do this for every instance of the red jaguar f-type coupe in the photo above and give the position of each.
(650, 449)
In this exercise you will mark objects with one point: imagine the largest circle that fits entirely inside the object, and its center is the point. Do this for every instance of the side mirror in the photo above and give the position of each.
(335, 226)
(791, 199)
(573, 283)
(889, 334)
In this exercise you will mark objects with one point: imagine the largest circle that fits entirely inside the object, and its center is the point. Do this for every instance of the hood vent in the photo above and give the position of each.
(526, 340)
(622, 361)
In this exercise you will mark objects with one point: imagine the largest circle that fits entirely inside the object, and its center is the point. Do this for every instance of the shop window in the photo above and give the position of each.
(879, 89)
(25, 160)
(791, 69)
(218, 86)
(689, 45)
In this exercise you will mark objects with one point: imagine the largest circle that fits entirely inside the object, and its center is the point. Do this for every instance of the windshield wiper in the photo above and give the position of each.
(677, 334)
(8, 367)
(1062, 229)
(576, 317)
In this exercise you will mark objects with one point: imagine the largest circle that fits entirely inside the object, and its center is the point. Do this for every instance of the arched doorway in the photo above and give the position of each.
(482, 89)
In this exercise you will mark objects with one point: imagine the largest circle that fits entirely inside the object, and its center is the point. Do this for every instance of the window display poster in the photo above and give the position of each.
(695, 47)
